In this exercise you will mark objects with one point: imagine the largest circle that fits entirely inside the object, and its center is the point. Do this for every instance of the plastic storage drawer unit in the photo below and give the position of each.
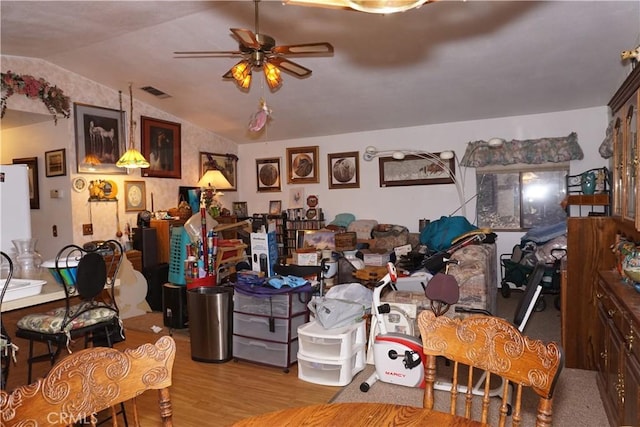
(267, 328)
(283, 305)
(265, 352)
(330, 344)
(331, 372)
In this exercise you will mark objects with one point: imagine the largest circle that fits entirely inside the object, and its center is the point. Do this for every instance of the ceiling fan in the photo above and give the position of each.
(259, 51)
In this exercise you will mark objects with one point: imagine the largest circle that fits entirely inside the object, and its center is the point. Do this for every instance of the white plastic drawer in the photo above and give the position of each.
(266, 352)
(284, 305)
(259, 327)
(331, 372)
(331, 344)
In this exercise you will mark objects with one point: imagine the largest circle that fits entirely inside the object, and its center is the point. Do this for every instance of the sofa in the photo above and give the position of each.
(475, 271)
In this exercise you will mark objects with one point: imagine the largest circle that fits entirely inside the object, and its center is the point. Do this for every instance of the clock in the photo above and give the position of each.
(134, 196)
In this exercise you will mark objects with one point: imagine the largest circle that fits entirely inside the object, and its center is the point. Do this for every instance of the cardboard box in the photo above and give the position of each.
(346, 241)
(376, 258)
(264, 252)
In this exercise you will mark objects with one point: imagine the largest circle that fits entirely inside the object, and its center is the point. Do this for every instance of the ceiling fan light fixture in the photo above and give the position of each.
(241, 73)
(272, 74)
(385, 6)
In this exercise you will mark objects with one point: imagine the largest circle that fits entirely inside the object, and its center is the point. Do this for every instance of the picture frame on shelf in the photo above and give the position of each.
(275, 207)
(302, 165)
(100, 139)
(32, 173)
(344, 170)
(225, 163)
(191, 195)
(415, 170)
(55, 163)
(135, 196)
(268, 175)
(240, 209)
(161, 146)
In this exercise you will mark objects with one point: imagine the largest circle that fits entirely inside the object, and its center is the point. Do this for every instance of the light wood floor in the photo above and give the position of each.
(218, 394)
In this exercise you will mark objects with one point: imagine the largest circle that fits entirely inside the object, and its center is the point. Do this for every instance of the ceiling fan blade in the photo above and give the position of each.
(290, 66)
(246, 38)
(208, 54)
(304, 48)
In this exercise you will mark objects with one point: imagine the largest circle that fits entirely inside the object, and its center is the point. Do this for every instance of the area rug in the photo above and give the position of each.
(576, 399)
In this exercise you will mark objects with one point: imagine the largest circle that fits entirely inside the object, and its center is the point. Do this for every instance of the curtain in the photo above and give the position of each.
(530, 151)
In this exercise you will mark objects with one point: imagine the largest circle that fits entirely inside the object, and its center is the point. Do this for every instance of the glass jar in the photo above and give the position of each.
(28, 260)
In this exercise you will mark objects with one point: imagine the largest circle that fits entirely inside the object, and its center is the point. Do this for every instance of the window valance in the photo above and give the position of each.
(530, 151)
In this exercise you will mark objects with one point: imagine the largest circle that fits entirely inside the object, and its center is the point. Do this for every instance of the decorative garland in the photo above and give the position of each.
(51, 96)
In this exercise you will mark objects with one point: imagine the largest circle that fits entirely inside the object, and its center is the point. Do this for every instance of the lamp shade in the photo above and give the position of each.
(214, 179)
(132, 159)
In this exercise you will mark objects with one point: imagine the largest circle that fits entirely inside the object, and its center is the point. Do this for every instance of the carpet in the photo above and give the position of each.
(576, 398)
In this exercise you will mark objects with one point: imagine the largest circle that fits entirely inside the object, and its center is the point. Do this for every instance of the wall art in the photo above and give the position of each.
(55, 163)
(344, 170)
(161, 142)
(100, 139)
(268, 174)
(302, 165)
(225, 163)
(415, 170)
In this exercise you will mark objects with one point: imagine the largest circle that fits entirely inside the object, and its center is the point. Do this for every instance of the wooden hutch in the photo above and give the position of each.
(601, 324)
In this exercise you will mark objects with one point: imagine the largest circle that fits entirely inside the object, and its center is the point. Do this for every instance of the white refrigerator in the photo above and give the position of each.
(15, 210)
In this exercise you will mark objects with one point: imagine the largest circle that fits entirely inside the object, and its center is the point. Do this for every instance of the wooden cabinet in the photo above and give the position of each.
(163, 232)
(617, 305)
(588, 240)
(626, 149)
(229, 219)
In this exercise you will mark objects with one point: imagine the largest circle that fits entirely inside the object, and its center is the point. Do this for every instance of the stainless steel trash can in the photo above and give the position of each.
(211, 323)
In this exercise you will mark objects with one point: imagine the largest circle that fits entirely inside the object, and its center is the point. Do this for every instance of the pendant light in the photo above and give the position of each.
(132, 158)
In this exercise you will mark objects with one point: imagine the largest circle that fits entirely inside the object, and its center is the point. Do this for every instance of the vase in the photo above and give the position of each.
(588, 183)
(356, 262)
(28, 260)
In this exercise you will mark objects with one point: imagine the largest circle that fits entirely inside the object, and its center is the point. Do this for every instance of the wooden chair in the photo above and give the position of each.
(495, 346)
(92, 380)
(90, 274)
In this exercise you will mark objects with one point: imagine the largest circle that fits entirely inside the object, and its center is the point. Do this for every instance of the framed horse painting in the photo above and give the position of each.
(100, 139)
(161, 147)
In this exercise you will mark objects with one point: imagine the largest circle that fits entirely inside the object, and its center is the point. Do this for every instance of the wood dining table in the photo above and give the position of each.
(358, 414)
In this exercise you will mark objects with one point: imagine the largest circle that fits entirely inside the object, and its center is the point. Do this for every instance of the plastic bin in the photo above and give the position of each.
(211, 323)
(330, 344)
(331, 372)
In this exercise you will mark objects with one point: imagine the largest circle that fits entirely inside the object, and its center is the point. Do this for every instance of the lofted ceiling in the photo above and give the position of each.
(444, 62)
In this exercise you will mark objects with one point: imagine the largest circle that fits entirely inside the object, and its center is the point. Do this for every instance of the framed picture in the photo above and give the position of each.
(302, 165)
(296, 198)
(240, 209)
(225, 163)
(344, 170)
(416, 170)
(190, 195)
(100, 139)
(161, 147)
(135, 196)
(34, 192)
(268, 174)
(275, 207)
(55, 163)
